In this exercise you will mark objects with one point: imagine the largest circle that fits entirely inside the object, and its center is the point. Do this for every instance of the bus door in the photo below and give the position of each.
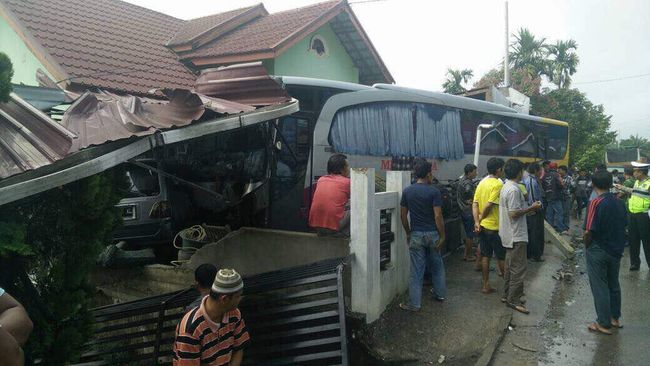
(289, 200)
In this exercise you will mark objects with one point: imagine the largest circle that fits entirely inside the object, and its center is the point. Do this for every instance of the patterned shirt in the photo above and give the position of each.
(201, 341)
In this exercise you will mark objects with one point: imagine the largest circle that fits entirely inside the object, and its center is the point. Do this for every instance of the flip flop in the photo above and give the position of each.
(488, 291)
(593, 327)
(408, 308)
(520, 308)
(470, 259)
(617, 324)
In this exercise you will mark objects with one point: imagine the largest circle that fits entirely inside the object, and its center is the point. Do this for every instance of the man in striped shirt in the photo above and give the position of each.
(214, 333)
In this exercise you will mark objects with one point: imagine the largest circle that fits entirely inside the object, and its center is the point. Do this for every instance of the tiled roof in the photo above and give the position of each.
(198, 26)
(263, 33)
(106, 43)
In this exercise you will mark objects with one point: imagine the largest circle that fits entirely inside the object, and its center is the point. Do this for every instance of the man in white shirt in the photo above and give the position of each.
(514, 234)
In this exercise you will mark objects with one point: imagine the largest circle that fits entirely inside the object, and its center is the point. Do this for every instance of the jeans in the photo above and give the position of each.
(566, 211)
(555, 215)
(602, 269)
(422, 250)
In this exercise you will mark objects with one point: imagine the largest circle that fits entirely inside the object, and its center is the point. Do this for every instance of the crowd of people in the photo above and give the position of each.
(503, 212)
(506, 210)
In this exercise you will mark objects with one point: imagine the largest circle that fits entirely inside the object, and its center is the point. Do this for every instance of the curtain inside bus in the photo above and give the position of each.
(378, 129)
(396, 129)
(438, 132)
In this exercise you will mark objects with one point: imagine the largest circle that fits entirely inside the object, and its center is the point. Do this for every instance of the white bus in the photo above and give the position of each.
(385, 127)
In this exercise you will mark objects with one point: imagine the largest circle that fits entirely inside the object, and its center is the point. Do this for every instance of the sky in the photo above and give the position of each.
(419, 39)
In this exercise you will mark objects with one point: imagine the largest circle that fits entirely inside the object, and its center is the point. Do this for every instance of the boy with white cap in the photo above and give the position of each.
(214, 333)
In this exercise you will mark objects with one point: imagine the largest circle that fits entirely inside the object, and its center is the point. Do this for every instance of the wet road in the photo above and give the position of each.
(566, 338)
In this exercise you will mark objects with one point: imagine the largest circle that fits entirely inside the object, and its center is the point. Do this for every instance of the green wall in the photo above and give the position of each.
(336, 64)
(24, 62)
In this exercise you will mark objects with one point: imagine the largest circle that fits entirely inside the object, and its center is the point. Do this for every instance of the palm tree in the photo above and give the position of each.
(456, 79)
(562, 62)
(528, 52)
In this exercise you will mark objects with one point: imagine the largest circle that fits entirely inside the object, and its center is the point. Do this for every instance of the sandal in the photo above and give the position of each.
(408, 308)
(520, 308)
(616, 324)
(593, 327)
(489, 290)
(469, 259)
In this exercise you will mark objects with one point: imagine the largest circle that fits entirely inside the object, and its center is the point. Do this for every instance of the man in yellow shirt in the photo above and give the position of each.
(486, 220)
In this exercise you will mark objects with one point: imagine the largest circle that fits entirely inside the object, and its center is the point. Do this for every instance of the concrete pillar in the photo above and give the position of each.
(364, 244)
(396, 181)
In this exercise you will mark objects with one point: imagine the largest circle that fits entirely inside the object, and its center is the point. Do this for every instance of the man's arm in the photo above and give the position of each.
(440, 225)
(14, 319)
(10, 352)
(486, 210)
(477, 217)
(237, 358)
(404, 215)
(515, 214)
(187, 350)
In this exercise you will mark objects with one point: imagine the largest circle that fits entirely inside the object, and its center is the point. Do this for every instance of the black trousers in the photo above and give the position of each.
(535, 248)
(639, 231)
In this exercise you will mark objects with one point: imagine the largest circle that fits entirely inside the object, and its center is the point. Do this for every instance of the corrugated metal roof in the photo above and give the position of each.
(28, 138)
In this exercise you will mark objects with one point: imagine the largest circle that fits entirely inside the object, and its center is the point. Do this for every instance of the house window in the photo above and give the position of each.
(318, 46)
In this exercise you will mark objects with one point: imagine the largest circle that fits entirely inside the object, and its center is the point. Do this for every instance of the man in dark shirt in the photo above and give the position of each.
(604, 239)
(465, 197)
(425, 234)
(553, 187)
(581, 189)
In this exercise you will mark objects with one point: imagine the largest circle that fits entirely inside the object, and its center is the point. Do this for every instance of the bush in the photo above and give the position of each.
(48, 246)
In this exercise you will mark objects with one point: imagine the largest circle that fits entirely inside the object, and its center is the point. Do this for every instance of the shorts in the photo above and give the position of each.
(468, 225)
(490, 243)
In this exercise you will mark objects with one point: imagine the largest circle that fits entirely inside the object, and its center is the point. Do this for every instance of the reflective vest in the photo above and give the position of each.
(640, 200)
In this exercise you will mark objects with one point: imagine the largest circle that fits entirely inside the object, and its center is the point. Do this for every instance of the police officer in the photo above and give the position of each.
(639, 204)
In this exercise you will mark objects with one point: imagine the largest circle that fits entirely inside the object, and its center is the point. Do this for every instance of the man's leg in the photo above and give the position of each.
(614, 287)
(597, 273)
(517, 273)
(644, 226)
(417, 275)
(507, 273)
(486, 254)
(635, 242)
(539, 227)
(438, 276)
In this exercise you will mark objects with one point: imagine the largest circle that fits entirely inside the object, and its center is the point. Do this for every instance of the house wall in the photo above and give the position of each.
(298, 60)
(24, 62)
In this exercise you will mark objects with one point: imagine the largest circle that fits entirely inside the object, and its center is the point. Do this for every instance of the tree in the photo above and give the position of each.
(524, 80)
(637, 142)
(528, 52)
(588, 123)
(562, 62)
(456, 79)
(6, 73)
(48, 246)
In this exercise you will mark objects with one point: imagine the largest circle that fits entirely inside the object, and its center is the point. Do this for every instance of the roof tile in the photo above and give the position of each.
(262, 33)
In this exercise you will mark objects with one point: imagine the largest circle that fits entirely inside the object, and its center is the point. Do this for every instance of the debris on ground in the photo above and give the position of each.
(441, 359)
(529, 349)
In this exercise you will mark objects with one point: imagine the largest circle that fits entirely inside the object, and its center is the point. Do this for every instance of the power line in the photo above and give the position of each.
(614, 79)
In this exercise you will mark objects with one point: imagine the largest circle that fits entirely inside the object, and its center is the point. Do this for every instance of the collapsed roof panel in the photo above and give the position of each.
(29, 139)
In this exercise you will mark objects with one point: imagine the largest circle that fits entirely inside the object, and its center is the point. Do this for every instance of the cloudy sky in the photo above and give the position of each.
(420, 39)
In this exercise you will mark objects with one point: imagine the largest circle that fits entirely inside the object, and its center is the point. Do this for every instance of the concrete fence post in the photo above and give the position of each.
(396, 181)
(364, 244)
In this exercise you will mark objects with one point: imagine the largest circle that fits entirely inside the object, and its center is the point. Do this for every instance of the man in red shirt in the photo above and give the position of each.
(330, 208)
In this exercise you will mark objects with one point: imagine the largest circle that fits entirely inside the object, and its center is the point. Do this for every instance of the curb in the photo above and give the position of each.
(488, 352)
